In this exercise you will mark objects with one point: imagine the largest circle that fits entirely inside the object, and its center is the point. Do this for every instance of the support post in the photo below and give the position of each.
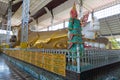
(64, 24)
(80, 8)
(25, 21)
(78, 47)
(9, 24)
(78, 59)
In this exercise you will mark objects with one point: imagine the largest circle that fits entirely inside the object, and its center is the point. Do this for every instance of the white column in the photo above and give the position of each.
(80, 9)
(25, 20)
(78, 59)
(9, 22)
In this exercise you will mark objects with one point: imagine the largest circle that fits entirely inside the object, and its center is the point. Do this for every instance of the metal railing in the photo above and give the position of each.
(97, 58)
(91, 58)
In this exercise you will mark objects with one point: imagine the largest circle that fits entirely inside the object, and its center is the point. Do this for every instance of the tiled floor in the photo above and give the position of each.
(6, 73)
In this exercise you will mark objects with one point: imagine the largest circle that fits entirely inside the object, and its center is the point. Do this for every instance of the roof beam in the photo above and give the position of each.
(40, 8)
(115, 34)
(108, 26)
(16, 6)
(50, 6)
(58, 10)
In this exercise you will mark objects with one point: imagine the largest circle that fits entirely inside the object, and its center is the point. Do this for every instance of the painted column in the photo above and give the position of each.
(9, 24)
(25, 21)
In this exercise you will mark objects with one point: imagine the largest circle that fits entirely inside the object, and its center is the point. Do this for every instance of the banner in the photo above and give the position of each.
(55, 63)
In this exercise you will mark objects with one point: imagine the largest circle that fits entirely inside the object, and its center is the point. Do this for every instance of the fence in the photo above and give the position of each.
(54, 60)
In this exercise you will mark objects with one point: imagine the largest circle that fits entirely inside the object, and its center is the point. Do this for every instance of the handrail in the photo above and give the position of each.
(91, 58)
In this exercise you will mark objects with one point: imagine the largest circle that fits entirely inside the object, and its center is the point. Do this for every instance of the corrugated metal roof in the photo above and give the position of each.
(62, 11)
(3, 8)
(34, 7)
(110, 25)
(98, 4)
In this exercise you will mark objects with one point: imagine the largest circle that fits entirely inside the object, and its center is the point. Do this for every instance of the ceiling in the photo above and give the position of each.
(62, 12)
(61, 9)
(3, 7)
(110, 25)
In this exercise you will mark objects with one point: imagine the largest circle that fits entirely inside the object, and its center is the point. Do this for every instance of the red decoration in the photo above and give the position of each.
(84, 19)
(71, 36)
(70, 45)
(73, 12)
